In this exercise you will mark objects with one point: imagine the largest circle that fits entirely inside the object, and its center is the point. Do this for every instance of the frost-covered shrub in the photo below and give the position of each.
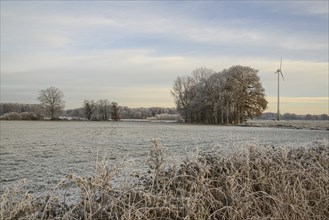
(35, 116)
(21, 116)
(26, 116)
(11, 116)
(254, 183)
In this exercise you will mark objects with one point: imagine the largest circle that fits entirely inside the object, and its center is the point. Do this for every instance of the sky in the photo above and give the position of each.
(132, 51)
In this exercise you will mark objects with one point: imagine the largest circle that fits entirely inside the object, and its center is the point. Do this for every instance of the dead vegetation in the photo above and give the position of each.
(255, 183)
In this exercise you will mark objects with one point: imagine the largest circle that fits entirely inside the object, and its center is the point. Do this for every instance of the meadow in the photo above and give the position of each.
(252, 183)
(293, 124)
(82, 170)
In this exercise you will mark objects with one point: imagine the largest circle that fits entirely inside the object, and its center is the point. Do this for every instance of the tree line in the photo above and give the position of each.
(125, 112)
(136, 113)
(52, 102)
(20, 107)
(292, 116)
(227, 97)
(52, 105)
(101, 110)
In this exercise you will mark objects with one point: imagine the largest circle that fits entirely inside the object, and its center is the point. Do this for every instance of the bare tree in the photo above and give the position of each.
(183, 93)
(202, 106)
(52, 101)
(202, 74)
(115, 111)
(89, 108)
(103, 106)
(215, 97)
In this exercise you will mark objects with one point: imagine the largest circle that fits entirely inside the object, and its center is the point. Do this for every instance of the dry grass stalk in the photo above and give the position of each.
(260, 183)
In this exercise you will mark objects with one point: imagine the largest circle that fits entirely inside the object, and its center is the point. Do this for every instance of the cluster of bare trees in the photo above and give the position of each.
(226, 97)
(51, 104)
(102, 110)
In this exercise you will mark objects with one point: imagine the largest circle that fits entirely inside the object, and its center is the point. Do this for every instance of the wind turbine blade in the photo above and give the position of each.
(282, 75)
(281, 64)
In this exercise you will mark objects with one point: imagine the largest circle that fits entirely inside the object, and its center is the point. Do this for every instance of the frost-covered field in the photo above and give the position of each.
(45, 152)
(294, 124)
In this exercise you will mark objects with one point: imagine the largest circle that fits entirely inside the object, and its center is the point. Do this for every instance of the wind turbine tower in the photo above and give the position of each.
(279, 72)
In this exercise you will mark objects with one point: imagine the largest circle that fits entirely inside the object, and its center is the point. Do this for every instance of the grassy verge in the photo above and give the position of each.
(255, 183)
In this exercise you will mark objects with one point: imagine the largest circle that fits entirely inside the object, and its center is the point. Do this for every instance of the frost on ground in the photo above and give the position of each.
(294, 124)
(257, 182)
(51, 150)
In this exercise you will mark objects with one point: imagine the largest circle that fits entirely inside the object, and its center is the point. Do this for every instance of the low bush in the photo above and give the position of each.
(21, 116)
(255, 183)
(11, 116)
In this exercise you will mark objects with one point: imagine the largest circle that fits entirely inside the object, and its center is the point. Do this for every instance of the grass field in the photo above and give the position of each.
(256, 182)
(294, 124)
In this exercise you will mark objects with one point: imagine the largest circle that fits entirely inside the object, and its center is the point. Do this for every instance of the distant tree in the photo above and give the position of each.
(247, 93)
(115, 111)
(202, 74)
(89, 108)
(202, 107)
(123, 112)
(289, 116)
(183, 92)
(267, 116)
(218, 97)
(308, 117)
(324, 117)
(52, 101)
(75, 113)
(103, 106)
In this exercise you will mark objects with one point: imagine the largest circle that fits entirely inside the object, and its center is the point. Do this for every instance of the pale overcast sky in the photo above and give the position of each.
(132, 51)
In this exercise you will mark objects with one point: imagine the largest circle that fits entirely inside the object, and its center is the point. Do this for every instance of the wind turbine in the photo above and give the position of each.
(279, 72)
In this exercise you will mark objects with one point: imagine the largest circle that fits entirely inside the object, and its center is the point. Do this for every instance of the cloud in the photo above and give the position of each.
(131, 67)
(316, 8)
(56, 40)
(83, 29)
(320, 8)
(129, 50)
